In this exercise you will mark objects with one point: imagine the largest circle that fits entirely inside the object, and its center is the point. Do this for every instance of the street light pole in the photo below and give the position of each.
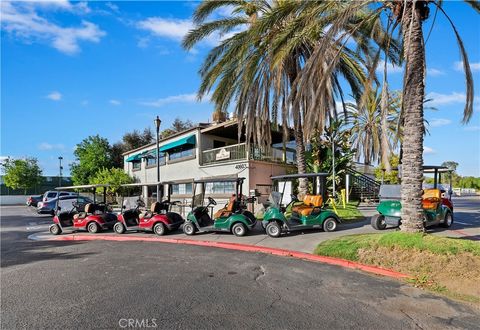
(61, 168)
(157, 122)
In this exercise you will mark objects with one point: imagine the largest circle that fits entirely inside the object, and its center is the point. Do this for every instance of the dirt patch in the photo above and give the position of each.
(456, 274)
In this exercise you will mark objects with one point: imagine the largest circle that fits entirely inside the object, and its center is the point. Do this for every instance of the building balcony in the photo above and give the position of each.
(241, 151)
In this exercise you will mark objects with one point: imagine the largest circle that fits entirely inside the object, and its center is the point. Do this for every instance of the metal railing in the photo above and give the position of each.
(242, 152)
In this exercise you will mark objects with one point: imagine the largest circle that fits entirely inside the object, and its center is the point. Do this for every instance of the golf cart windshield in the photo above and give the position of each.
(275, 198)
(390, 191)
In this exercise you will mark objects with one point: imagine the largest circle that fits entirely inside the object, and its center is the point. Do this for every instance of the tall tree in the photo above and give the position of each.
(92, 155)
(130, 140)
(22, 173)
(259, 65)
(178, 125)
(409, 16)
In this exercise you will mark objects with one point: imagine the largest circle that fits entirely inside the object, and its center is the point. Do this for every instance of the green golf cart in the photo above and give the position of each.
(436, 201)
(233, 217)
(282, 215)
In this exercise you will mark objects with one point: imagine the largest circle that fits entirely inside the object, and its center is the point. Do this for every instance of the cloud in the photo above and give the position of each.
(474, 66)
(112, 6)
(175, 29)
(437, 122)
(54, 96)
(435, 72)
(428, 150)
(169, 28)
(390, 67)
(21, 20)
(182, 98)
(443, 99)
(47, 146)
(115, 102)
(472, 128)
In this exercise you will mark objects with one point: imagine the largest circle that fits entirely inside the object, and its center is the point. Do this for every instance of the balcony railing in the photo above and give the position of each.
(242, 152)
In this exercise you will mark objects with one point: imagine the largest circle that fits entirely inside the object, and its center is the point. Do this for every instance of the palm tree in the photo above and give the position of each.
(371, 138)
(259, 67)
(408, 16)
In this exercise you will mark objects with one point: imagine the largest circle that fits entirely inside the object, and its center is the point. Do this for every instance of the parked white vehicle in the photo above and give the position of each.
(52, 194)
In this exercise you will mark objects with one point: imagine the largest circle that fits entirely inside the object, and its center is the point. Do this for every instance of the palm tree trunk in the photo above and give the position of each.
(384, 146)
(413, 95)
(300, 149)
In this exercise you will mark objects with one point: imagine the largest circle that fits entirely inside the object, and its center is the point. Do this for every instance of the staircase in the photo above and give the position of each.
(363, 187)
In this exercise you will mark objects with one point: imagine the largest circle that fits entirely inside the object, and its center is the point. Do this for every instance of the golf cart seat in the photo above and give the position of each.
(431, 198)
(156, 207)
(310, 202)
(89, 208)
(227, 210)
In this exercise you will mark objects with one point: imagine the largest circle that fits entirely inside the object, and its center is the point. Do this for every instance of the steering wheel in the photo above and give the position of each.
(212, 201)
(294, 197)
(140, 203)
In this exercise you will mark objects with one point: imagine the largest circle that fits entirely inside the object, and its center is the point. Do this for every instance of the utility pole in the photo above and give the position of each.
(61, 168)
(157, 122)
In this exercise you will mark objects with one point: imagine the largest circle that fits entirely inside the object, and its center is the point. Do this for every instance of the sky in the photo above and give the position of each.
(74, 69)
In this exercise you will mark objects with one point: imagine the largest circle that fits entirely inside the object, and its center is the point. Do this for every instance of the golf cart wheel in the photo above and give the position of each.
(448, 220)
(159, 229)
(119, 228)
(330, 224)
(378, 222)
(239, 229)
(189, 228)
(273, 229)
(93, 227)
(55, 229)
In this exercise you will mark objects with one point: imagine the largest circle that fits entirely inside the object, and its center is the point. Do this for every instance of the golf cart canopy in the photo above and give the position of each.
(298, 176)
(438, 169)
(142, 184)
(227, 179)
(87, 186)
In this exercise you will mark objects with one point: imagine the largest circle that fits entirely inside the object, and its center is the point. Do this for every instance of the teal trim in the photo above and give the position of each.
(134, 158)
(189, 140)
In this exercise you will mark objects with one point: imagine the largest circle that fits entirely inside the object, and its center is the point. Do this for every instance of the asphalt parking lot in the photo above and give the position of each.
(104, 284)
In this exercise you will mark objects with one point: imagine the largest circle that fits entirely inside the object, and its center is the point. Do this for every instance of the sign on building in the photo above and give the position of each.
(222, 154)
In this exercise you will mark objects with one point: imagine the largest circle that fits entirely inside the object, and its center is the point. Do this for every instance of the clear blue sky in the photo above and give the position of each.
(73, 69)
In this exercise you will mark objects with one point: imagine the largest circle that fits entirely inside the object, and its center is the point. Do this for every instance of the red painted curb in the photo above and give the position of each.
(466, 235)
(245, 248)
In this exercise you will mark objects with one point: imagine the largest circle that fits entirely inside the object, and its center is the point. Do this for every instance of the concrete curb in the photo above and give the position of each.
(241, 247)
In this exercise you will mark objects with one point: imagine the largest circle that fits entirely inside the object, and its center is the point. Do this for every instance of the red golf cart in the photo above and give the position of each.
(94, 217)
(157, 219)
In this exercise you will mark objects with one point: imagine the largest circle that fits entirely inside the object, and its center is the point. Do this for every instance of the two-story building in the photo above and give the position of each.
(211, 151)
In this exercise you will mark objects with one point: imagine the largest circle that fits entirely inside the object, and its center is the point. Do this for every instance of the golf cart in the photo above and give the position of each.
(233, 217)
(298, 215)
(437, 203)
(93, 218)
(158, 219)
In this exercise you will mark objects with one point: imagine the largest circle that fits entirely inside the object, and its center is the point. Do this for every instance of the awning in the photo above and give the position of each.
(136, 157)
(152, 154)
(189, 140)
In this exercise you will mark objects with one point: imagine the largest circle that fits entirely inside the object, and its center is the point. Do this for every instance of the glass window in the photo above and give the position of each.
(52, 195)
(152, 160)
(181, 152)
(137, 165)
(64, 194)
(181, 189)
(220, 188)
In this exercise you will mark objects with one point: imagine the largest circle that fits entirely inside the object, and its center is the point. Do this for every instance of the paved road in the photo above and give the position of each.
(99, 284)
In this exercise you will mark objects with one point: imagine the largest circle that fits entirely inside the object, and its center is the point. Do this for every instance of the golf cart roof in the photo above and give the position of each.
(431, 169)
(226, 179)
(86, 186)
(139, 184)
(297, 176)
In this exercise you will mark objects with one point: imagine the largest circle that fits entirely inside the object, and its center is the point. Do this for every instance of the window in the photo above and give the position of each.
(220, 188)
(152, 160)
(181, 152)
(52, 195)
(181, 189)
(137, 165)
(64, 194)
